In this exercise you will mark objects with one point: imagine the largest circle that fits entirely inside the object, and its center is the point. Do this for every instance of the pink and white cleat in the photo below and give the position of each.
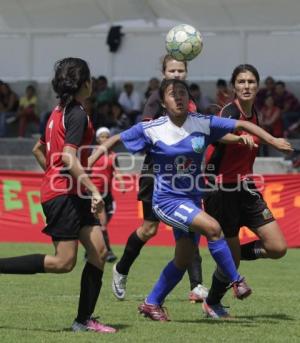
(92, 325)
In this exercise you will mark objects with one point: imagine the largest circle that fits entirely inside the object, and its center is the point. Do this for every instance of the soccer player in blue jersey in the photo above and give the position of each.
(176, 143)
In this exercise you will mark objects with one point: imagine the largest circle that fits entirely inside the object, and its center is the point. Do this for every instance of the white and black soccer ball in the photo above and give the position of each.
(184, 42)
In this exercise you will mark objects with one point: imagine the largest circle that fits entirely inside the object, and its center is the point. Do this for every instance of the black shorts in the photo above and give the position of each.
(148, 212)
(66, 215)
(109, 204)
(236, 208)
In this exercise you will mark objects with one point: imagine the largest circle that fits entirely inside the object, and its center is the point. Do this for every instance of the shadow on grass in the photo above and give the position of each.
(243, 320)
(117, 326)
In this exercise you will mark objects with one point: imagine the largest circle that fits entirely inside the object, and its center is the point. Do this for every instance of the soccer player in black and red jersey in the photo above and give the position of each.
(237, 202)
(171, 69)
(69, 198)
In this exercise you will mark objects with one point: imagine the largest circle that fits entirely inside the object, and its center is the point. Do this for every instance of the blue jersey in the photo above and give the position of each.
(177, 152)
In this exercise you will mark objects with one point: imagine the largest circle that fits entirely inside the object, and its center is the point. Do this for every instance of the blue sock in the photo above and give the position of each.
(222, 255)
(168, 279)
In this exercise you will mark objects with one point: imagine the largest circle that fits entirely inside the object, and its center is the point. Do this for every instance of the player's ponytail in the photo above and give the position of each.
(70, 75)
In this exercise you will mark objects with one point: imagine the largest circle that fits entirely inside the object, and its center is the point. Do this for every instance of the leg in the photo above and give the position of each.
(272, 243)
(63, 261)
(91, 280)
(169, 278)
(212, 306)
(131, 252)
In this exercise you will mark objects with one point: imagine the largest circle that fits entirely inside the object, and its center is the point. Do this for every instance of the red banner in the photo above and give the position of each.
(22, 218)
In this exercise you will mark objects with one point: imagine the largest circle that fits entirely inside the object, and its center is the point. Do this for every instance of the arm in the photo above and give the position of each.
(234, 139)
(278, 143)
(75, 168)
(39, 152)
(103, 148)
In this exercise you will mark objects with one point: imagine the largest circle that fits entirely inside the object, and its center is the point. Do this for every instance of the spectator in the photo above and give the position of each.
(103, 93)
(202, 102)
(271, 117)
(27, 111)
(223, 94)
(119, 119)
(101, 115)
(153, 85)
(289, 105)
(130, 100)
(9, 103)
(264, 92)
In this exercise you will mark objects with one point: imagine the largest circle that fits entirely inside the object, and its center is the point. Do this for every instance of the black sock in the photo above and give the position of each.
(251, 251)
(131, 252)
(106, 240)
(217, 291)
(28, 264)
(195, 270)
(91, 282)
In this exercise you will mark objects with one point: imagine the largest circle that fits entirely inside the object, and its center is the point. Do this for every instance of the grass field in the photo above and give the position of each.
(41, 308)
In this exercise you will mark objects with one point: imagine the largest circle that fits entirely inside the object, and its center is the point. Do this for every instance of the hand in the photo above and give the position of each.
(282, 145)
(97, 203)
(247, 140)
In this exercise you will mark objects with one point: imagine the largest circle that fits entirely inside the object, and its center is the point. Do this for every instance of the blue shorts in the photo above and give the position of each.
(179, 213)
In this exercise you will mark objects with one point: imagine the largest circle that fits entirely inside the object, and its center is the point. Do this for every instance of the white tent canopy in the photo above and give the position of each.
(205, 14)
(35, 33)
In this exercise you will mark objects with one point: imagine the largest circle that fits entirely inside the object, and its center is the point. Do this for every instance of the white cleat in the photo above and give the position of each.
(198, 294)
(118, 284)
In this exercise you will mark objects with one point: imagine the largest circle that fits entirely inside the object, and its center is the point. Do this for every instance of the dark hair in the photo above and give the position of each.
(166, 83)
(221, 83)
(102, 78)
(70, 75)
(243, 68)
(280, 83)
(167, 58)
(194, 87)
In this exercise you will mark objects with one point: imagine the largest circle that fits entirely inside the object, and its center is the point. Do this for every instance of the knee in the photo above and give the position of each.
(277, 251)
(66, 266)
(214, 232)
(148, 230)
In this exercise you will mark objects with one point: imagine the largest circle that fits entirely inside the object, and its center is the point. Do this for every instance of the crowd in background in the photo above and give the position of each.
(278, 108)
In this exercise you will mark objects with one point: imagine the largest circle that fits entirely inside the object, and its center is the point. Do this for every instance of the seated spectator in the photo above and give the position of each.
(101, 115)
(27, 111)
(271, 118)
(102, 92)
(153, 85)
(264, 92)
(289, 105)
(119, 120)
(130, 100)
(9, 103)
(202, 102)
(223, 94)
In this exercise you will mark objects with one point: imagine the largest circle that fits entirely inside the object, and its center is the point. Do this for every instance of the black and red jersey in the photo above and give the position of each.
(68, 126)
(232, 162)
(103, 172)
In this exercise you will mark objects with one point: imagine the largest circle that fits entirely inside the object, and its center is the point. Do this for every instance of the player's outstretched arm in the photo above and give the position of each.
(234, 139)
(103, 148)
(278, 143)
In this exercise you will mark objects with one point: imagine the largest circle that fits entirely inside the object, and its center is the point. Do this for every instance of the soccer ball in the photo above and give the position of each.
(184, 42)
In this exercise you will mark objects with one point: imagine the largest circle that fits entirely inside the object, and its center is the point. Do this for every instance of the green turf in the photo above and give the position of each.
(40, 308)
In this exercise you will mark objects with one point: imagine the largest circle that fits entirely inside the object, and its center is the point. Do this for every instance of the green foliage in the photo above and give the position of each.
(41, 308)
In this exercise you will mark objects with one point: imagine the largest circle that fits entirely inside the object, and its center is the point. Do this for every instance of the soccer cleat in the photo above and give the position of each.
(92, 325)
(240, 289)
(198, 294)
(118, 284)
(216, 311)
(111, 257)
(154, 312)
